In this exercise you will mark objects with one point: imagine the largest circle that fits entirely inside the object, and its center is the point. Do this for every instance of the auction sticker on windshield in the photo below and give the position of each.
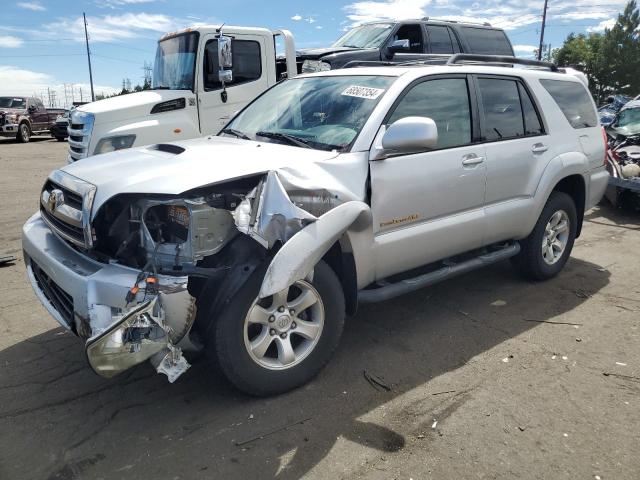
(363, 92)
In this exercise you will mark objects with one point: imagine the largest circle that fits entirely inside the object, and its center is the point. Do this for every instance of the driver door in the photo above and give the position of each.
(414, 32)
(251, 74)
(429, 205)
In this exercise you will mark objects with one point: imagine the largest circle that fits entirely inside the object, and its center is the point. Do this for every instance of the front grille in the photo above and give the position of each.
(70, 198)
(76, 138)
(71, 232)
(59, 299)
(77, 149)
(77, 126)
(80, 129)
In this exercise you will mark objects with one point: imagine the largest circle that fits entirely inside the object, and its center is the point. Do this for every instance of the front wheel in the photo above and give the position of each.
(546, 250)
(60, 139)
(272, 345)
(23, 133)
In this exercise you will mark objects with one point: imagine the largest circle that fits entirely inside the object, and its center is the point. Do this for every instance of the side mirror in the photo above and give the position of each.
(32, 108)
(225, 59)
(410, 135)
(400, 45)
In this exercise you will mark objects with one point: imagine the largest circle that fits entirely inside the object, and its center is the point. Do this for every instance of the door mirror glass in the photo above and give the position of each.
(410, 135)
(400, 45)
(32, 108)
(225, 59)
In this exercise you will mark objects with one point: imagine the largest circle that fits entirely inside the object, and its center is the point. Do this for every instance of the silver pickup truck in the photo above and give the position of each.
(329, 190)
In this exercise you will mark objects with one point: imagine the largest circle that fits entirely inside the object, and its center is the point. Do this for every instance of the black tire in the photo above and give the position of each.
(530, 261)
(24, 133)
(225, 345)
(60, 139)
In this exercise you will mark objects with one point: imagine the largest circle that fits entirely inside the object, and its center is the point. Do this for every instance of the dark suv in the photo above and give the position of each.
(406, 40)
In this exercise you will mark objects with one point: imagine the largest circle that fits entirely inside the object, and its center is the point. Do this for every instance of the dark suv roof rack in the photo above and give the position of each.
(499, 60)
(426, 19)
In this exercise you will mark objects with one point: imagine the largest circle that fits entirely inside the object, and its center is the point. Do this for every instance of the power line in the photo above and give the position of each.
(42, 55)
(115, 59)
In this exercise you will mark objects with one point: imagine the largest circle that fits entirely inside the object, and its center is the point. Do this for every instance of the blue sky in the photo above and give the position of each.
(42, 42)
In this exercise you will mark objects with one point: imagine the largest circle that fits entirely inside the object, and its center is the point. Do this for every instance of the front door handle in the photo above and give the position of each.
(471, 160)
(539, 148)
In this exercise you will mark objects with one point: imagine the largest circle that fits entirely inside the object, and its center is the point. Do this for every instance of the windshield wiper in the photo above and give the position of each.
(298, 142)
(235, 133)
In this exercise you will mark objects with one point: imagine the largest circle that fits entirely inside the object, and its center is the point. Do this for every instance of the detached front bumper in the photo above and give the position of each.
(89, 299)
(9, 130)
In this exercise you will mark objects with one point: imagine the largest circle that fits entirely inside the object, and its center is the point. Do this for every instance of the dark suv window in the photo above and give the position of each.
(508, 110)
(446, 101)
(487, 41)
(574, 101)
(439, 39)
(247, 63)
(413, 33)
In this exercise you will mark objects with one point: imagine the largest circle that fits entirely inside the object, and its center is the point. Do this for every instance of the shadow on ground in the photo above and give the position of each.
(60, 421)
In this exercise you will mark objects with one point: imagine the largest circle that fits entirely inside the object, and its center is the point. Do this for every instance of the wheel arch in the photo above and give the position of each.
(574, 186)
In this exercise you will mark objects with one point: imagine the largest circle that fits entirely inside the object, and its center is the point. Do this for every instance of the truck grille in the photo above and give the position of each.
(79, 130)
(60, 300)
(65, 204)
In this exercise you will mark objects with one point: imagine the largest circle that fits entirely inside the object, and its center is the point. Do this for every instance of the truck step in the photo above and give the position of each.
(392, 290)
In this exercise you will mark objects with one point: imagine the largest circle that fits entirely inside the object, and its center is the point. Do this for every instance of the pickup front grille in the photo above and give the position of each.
(60, 300)
(72, 199)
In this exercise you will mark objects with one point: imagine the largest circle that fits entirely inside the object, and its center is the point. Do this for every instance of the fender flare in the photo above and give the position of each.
(297, 257)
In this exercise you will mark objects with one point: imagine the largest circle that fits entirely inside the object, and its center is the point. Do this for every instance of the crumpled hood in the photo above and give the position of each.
(132, 105)
(205, 161)
(627, 130)
(316, 53)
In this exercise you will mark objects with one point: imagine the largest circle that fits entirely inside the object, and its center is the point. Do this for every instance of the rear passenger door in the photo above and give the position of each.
(517, 150)
(442, 40)
(429, 205)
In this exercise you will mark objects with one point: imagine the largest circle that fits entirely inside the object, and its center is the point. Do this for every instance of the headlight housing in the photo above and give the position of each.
(11, 118)
(312, 66)
(111, 144)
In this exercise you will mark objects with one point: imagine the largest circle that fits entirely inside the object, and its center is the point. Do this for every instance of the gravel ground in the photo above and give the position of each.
(489, 376)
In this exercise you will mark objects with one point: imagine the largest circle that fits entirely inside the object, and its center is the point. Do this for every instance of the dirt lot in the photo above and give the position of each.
(490, 377)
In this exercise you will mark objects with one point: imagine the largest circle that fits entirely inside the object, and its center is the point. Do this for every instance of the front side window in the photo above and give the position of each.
(446, 102)
(365, 36)
(574, 101)
(413, 33)
(175, 63)
(325, 113)
(439, 39)
(247, 63)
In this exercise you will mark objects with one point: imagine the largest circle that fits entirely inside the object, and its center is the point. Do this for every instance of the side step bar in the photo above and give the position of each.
(393, 290)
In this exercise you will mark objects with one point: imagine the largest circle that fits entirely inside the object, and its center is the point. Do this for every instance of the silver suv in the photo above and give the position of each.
(329, 190)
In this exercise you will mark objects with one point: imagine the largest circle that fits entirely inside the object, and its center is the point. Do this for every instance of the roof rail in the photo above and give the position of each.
(433, 59)
(499, 59)
(426, 19)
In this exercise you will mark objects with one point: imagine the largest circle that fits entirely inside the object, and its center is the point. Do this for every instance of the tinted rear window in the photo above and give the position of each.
(439, 39)
(487, 41)
(574, 101)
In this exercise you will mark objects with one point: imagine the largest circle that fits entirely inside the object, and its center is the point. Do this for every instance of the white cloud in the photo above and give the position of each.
(369, 11)
(34, 6)
(525, 48)
(117, 27)
(18, 81)
(318, 27)
(296, 18)
(9, 41)
(602, 25)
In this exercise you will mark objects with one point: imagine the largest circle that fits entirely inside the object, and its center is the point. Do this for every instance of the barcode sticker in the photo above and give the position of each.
(363, 92)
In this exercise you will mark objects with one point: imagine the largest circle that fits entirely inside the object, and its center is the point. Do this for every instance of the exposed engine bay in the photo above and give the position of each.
(623, 164)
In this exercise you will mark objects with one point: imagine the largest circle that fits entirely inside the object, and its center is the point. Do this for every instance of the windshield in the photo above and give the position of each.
(174, 68)
(13, 102)
(365, 36)
(629, 117)
(324, 113)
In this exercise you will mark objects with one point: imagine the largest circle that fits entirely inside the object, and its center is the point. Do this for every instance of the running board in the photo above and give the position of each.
(401, 287)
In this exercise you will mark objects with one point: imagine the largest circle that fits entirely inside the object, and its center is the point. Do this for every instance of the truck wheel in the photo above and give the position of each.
(546, 250)
(23, 133)
(60, 139)
(269, 346)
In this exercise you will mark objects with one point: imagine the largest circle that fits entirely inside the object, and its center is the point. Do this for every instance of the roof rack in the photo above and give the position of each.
(433, 59)
(499, 60)
(426, 19)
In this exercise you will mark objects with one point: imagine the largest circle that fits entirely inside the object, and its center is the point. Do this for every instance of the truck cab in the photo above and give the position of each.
(202, 76)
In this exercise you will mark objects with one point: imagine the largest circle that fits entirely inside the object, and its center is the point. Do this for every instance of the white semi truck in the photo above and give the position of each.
(202, 76)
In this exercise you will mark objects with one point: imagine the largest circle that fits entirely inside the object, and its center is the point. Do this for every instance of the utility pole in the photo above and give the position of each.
(544, 20)
(86, 38)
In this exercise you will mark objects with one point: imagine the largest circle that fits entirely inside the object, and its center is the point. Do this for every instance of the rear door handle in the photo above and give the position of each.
(471, 160)
(539, 148)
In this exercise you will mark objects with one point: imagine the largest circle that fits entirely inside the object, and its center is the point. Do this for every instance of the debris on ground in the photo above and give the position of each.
(578, 339)
(376, 382)
(434, 424)
(621, 364)
(582, 294)
(441, 393)
(7, 259)
(499, 303)
(277, 430)
(506, 359)
(552, 323)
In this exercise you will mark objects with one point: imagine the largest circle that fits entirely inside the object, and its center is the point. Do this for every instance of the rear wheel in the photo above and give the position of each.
(272, 345)
(60, 139)
(24, 134)
(546, 250)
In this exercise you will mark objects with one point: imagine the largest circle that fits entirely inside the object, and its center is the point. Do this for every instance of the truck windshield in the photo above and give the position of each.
(629, 118)
(13, 102)
(365, 36)
(174, 67)
(324, 113)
